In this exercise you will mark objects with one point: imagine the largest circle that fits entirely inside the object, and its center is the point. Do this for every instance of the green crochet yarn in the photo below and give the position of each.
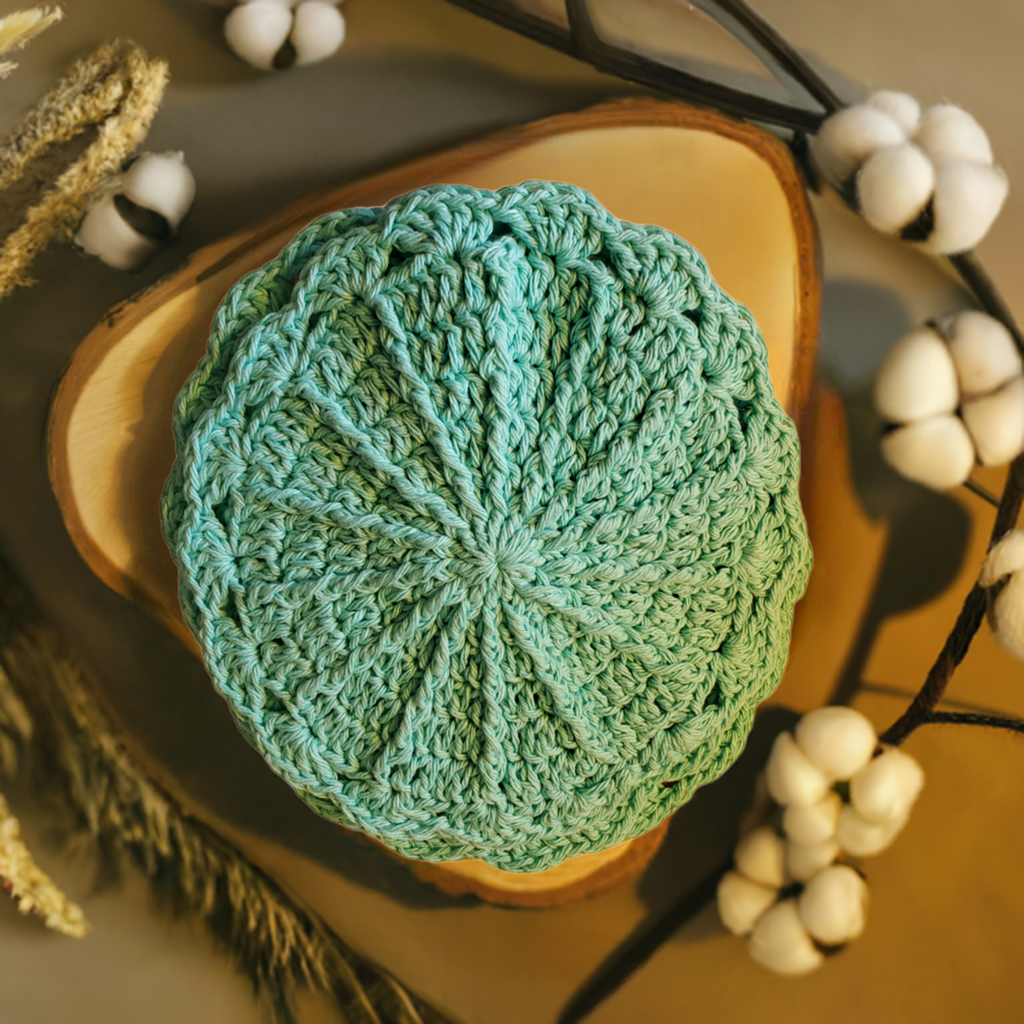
(486, 519)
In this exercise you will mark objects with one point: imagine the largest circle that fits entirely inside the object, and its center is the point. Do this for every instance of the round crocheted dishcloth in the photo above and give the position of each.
(486, 519)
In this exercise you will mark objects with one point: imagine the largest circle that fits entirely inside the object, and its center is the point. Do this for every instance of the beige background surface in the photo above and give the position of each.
(942, 944)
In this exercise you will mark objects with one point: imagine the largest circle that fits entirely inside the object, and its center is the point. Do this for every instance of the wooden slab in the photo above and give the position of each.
(730, 189)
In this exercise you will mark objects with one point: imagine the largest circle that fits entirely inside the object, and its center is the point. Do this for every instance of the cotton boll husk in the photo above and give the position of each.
(1006, 556)
(967, 200)
(790, 776)
(936, 452)
(106, 234)
(814, 823)
(318, 31)
(865, 838)
(256, 31)
(833, 906)
(837, 740)
(781, 943)
(887, 787)
(161, 182)
(741, 902)
(946, 131)
(900, 106)
(983, 352)
(761, 856)
(1006, 616)
(850, 136)
(894, 186)
(996, 423)
(805, 860)
(917, 379)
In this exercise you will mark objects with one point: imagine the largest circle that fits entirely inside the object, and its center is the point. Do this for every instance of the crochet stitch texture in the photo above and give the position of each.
(486, 519)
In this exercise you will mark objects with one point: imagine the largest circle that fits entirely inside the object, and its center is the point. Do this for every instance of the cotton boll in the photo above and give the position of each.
(1006, 556)
(1006, 604)
(161, 182)
(805, 860)
(319, 31)
(1006, 616)
(837, 740)
(106, 234)
(256, 31)
(893, 186)
(833, 906)
(741, 902)
(936, 452)
(847, 138)
(865, 838)
(814, 823)
(983, 352)
(761, 856)
(887, 787)
(781, 943)
(790, 776)
(967, 200)
(996, 423)
(900, 106)
(917, 379)
(946, 131)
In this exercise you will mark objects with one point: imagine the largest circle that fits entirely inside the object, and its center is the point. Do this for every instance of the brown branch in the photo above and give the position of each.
(954, 650)
(787, 57)
(971, 718)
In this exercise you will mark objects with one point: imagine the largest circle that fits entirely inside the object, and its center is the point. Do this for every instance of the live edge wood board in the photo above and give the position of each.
(730, 189)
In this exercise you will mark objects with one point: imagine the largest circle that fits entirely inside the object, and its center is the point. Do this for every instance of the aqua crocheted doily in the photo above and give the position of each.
(486, 519)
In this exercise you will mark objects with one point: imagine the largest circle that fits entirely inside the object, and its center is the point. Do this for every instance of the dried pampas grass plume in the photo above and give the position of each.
(73, 141)
(29, 886)
(17, 28)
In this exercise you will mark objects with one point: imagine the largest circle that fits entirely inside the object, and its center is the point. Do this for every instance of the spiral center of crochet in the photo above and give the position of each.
(506, 561)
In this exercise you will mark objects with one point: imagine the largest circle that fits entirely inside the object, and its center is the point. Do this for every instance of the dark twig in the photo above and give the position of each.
(954, 650)
(982, 492)
(970, 718)
(583, 42)
(628, 958)
(787, 57)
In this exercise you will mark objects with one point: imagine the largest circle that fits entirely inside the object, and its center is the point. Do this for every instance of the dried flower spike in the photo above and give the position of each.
(19, 27)
(32, 890)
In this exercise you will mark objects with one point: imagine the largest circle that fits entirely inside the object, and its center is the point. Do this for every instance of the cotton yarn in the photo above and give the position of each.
(487, 521)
